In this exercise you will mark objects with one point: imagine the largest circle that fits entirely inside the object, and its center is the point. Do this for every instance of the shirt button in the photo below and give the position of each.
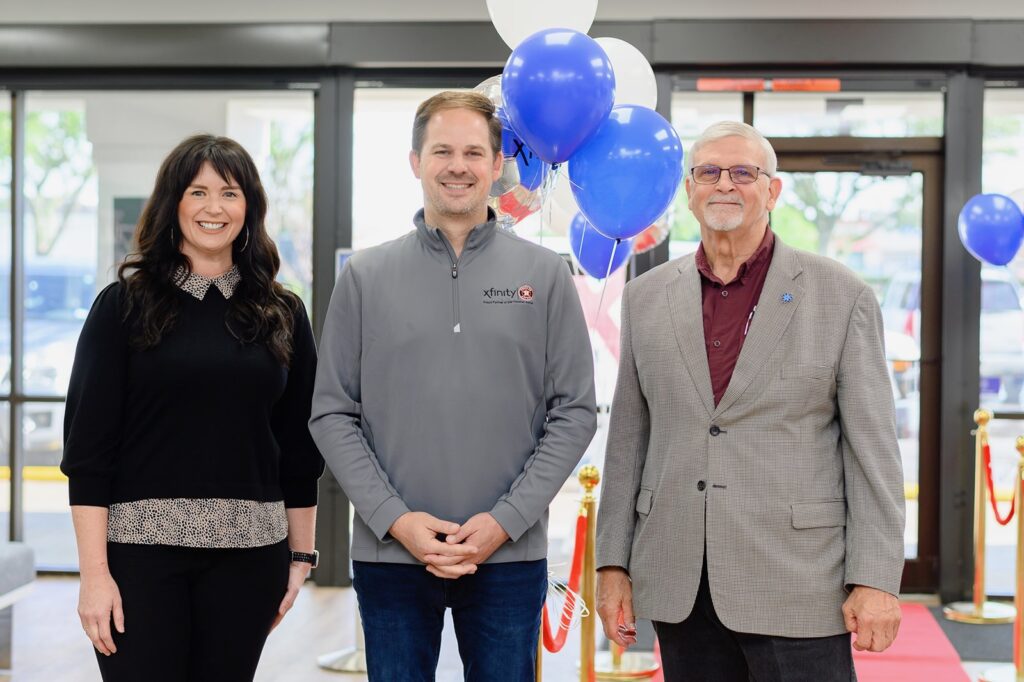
(714, 430)
(701, 485)
(725, 293)
(717, 343)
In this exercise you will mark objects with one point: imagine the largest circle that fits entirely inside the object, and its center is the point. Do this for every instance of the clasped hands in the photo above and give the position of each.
(462, 548)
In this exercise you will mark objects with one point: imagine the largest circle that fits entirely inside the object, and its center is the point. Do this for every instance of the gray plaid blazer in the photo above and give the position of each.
(793, 482)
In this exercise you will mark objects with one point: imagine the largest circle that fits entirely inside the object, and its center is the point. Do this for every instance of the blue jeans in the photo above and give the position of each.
(496, 612)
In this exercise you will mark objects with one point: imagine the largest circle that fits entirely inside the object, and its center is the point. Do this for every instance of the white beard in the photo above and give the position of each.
(723, 221)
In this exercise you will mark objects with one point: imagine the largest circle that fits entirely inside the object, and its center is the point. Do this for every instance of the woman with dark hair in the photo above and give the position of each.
(192, 474)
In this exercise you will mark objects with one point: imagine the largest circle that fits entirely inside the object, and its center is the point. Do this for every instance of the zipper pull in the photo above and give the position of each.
(455, 271)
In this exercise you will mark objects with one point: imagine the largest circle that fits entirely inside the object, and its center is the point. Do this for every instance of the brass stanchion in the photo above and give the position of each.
(980, 611)
(540, 654)
(349, 660)
(1015, 672)
(589, 477)
(614, 664)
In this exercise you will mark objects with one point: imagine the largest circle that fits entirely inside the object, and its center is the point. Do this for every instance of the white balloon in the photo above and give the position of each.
(519, 19)
(1018, 197)
(491, 89)
(634, 77)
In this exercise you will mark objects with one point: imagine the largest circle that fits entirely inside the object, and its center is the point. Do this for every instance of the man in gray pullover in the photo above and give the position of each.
(453, 398)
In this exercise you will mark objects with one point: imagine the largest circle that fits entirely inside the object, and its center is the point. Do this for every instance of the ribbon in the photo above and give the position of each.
(555, 642)
(987, 455)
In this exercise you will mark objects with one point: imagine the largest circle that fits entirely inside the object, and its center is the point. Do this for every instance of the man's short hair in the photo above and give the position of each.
(456, 99)
(716, 131)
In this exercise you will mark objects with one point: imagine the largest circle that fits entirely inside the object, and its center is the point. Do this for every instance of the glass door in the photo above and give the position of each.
(879, 215)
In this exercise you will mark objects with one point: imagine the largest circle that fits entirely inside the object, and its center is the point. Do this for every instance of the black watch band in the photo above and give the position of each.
(304, 557)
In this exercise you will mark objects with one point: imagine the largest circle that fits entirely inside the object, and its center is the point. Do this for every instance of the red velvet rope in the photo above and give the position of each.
(555, 642)
(987, 455)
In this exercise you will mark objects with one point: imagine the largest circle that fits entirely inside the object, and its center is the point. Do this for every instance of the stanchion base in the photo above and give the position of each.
(350, 660)
(1004, 673)
(991, 613)
(635, 665)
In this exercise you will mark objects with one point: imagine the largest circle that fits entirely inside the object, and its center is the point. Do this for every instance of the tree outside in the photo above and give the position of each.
(287, 173)
(58, 168)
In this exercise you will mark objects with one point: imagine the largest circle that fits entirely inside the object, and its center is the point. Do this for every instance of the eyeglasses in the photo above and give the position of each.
(741, 174)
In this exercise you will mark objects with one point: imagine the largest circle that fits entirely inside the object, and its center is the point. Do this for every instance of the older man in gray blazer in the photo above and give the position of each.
(753, 492)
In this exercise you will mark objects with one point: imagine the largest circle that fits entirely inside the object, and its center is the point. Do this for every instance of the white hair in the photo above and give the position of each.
(717, 131)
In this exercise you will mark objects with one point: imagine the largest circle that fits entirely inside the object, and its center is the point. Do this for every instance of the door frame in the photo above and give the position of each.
(924, 155)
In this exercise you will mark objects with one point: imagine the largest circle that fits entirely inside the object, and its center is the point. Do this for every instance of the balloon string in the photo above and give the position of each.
(579, 256)
(604, 287)
(548, 190)
(571, 183)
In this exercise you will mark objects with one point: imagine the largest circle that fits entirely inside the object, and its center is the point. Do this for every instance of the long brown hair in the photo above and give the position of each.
(260, 310)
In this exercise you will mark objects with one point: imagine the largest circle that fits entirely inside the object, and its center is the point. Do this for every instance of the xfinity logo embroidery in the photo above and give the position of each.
(523, 294)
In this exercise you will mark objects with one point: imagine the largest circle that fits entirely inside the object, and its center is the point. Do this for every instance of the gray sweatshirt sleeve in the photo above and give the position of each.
(571, 412)
(337, 412)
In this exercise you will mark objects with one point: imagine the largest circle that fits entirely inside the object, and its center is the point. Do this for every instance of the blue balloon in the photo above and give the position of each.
(594, 251)
(531, 168)
(991, 228)
(627, 174)
(558, 86)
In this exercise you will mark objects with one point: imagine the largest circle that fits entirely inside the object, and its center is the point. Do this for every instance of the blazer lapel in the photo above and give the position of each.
(780, 298)
(685, 307)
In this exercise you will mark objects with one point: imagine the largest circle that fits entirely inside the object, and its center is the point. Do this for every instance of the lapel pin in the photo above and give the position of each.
(786, 298)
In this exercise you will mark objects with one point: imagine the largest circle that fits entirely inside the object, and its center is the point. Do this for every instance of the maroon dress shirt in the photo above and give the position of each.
(729, 309)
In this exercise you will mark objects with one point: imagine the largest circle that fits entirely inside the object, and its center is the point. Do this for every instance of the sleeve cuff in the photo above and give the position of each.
(89, 491)
(385, 515)
(609, 559)
(510, 520)
(299, 492)
(854, 578)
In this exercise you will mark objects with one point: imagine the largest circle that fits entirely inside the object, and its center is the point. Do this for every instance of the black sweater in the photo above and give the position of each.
(198, 416)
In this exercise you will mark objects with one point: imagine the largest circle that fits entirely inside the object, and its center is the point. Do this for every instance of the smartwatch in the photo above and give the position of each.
(313, 558)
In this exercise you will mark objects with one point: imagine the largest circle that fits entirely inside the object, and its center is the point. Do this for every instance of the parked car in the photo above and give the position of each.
(1002, 328)
(903, 356)
(57, 298)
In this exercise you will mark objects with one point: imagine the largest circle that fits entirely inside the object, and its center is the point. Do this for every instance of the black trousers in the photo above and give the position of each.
(193, 615)
(702, 649)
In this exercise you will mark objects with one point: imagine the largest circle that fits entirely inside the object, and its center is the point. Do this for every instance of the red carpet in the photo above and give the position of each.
(921, 653)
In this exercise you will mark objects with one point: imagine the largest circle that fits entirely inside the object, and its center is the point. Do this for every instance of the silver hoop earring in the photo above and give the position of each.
(246, 240)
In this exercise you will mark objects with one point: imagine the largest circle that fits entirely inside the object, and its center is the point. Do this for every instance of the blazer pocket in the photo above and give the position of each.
(819, 514)
(806, 372)
(643, 501)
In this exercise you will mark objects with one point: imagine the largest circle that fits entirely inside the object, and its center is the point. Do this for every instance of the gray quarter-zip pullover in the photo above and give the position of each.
(453, 386)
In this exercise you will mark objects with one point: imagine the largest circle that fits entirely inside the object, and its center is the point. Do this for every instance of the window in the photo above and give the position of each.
(5, 315)
(385, 194)
(862, 114)
(999, 297)
(1002, 321)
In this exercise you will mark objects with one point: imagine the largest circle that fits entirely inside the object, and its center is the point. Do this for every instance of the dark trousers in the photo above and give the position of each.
(702, 649)
(496, 613)
(193, 615)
